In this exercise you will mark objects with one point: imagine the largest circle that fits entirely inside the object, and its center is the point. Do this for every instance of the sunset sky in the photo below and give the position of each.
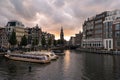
(52, 14)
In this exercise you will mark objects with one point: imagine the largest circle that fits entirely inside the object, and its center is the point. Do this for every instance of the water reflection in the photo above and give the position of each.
(67, 60)
(101, 67)
(72, 70)
(75, 65)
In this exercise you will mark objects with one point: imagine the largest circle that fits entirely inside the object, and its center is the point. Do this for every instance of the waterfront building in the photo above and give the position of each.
(18, 27)
(72, 41)
(29, 30)
(116, 34)
(48, 37)
(34, 33)
(102, 31)
(3, 38)
(52, 37)
(26, 32)
(78, 39)
(109, 28)
(93, 31)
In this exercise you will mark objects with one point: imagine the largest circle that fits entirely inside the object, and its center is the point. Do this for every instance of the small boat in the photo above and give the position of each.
(29, 58)
(58, 52)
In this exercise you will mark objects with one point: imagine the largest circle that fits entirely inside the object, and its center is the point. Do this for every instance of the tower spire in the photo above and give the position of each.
(62, 36)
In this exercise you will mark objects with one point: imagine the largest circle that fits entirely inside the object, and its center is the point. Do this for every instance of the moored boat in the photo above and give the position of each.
(50, 54)
(58, 52)
(29, 58)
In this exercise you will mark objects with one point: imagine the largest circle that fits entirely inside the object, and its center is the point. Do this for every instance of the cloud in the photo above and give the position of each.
(59, 3)
(52, 14)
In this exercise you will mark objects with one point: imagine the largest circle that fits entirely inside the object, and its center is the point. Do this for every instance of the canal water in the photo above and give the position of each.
(75, 65)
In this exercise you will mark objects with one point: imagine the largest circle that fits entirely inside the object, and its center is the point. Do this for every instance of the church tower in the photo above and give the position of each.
(62, 36)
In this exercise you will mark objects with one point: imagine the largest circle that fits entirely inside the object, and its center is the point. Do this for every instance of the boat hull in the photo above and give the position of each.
(28, 60)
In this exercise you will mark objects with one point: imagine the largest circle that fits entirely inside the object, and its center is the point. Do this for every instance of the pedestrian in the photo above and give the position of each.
(30, 68)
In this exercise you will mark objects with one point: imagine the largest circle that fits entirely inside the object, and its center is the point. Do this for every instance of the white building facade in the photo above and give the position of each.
(93, 31)
(108, 28)
(98, 31)
(18, 27)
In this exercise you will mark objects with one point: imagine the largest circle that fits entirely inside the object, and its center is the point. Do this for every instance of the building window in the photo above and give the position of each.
(11, 23)
(98, 21)
(98, 31)
(83, 44)
(109, 43)
(118, 43)
(98, 36)
(110, 23)
(99, 45)
(117, 34)
(99, 26)
(90, 45)
(108, 30)
(117, 27)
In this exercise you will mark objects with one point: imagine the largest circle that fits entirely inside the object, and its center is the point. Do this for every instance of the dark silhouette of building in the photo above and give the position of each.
(34, 33)
(78, 39)
(62, 36)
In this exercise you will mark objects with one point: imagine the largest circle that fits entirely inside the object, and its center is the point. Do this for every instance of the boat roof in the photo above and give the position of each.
(29, 55)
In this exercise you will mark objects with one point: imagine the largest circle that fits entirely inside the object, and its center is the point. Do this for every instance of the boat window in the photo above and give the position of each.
(47, 55)
(38, 57)
(51, 54)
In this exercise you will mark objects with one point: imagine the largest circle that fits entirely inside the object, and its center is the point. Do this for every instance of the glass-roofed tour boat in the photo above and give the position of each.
(29, 57)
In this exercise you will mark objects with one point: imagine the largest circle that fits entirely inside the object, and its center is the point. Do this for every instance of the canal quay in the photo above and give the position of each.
(74, 65)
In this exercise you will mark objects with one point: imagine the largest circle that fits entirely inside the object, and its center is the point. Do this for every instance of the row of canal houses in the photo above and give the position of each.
(101, 31)
(20, 30)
